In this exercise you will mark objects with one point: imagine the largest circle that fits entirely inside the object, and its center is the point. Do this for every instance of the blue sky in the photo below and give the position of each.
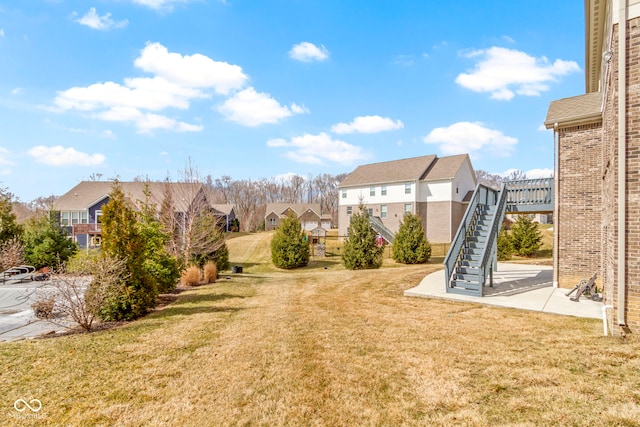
(258, 89)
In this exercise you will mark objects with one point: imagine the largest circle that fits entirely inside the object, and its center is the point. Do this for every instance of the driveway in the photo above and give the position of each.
(17, 320)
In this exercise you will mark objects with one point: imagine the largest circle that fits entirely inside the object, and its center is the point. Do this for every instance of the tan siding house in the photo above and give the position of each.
(308, 214)
(433, 188)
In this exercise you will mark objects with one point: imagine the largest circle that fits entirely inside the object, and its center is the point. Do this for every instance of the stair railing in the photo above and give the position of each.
(379, 226)
(491, 246)
(482, 195)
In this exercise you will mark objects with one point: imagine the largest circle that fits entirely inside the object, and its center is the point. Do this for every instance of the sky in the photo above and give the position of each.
(256, 89)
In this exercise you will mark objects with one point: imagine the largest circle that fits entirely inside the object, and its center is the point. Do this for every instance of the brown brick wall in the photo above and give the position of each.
(579, 216)
(610, 189)
(633, 173)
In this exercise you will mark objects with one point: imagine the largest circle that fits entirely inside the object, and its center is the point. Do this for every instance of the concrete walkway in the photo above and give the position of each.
(522, 286)
(17, 320)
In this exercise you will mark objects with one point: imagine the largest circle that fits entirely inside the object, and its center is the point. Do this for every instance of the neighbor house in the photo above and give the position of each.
(435, 188)
(597, 149)
(81, 207)
(309, 215)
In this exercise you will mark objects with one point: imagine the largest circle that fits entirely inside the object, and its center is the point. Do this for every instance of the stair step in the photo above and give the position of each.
(468, 263)
(466, 285)
(471, 278)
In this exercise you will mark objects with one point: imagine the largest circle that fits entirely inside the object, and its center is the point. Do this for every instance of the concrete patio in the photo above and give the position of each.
(522, 286)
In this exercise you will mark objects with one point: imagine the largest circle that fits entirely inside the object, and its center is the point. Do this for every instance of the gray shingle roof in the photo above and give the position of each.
(391, 171)
(576, 110)
(86, 193)
(424, 168)
(298, 208)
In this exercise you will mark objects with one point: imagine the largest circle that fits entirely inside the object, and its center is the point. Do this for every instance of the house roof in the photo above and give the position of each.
(87, 193)
(575, 110)
(299, 208)
(224, 208)
(426, 168)
(595, 15)
(445, 167)
(391, 171)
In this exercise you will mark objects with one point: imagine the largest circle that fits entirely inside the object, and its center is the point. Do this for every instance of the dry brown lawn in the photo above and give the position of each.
(328, 347)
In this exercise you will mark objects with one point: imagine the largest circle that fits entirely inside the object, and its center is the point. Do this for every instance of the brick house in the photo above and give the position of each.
(436, 189)
(309, 215)
(597, 149)
(81, 207)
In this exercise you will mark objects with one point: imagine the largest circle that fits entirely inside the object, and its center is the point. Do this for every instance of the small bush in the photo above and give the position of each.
(505, 249)
(525, 236)
(410, 245)
(210, 272)
(290, 246)
(361, 249)
(43, 307)
(190, 277)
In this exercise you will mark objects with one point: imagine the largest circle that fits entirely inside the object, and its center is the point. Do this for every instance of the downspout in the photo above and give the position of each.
(556, 206)
(622, 161)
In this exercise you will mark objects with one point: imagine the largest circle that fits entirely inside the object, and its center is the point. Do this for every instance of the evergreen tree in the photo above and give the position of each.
(290, 246)
(121, 239)
(158, 262)
(361, 249)
(45, 243)
(505, 248)
(9, 228)
(525, 236)
(410, 245)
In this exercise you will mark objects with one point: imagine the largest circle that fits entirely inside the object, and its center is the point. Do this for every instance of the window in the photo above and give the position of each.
(372, 191)
(370, 211)
(98, 215)
(383, 211)
(272, 221)
(64, 218)
(407, 188)
(75, 217)
(407, 208)
(383, 190)
(84, 217)
(344, 194)
(349, 210)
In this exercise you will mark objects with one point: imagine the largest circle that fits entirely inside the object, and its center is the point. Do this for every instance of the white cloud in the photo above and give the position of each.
(251, 108)
(507, 72)
(367, 124)
(308, 52)
(531, 173)
(147, 122)
(16, 91)
(470, 137)
(405, 60)
(177, 81)
(159, 5)
(319, 149)
(60, 156)
(1, 32)
(4, 153)
(192, 71)
(508, 39)
(92, 20)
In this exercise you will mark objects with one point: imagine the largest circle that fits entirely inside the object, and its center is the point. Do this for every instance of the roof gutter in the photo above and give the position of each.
(622, 162)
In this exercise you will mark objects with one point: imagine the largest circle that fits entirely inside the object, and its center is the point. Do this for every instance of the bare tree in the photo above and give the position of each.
(11, 253)
(516, 175)
(77, 297)
(489, 179)
(187, 214)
